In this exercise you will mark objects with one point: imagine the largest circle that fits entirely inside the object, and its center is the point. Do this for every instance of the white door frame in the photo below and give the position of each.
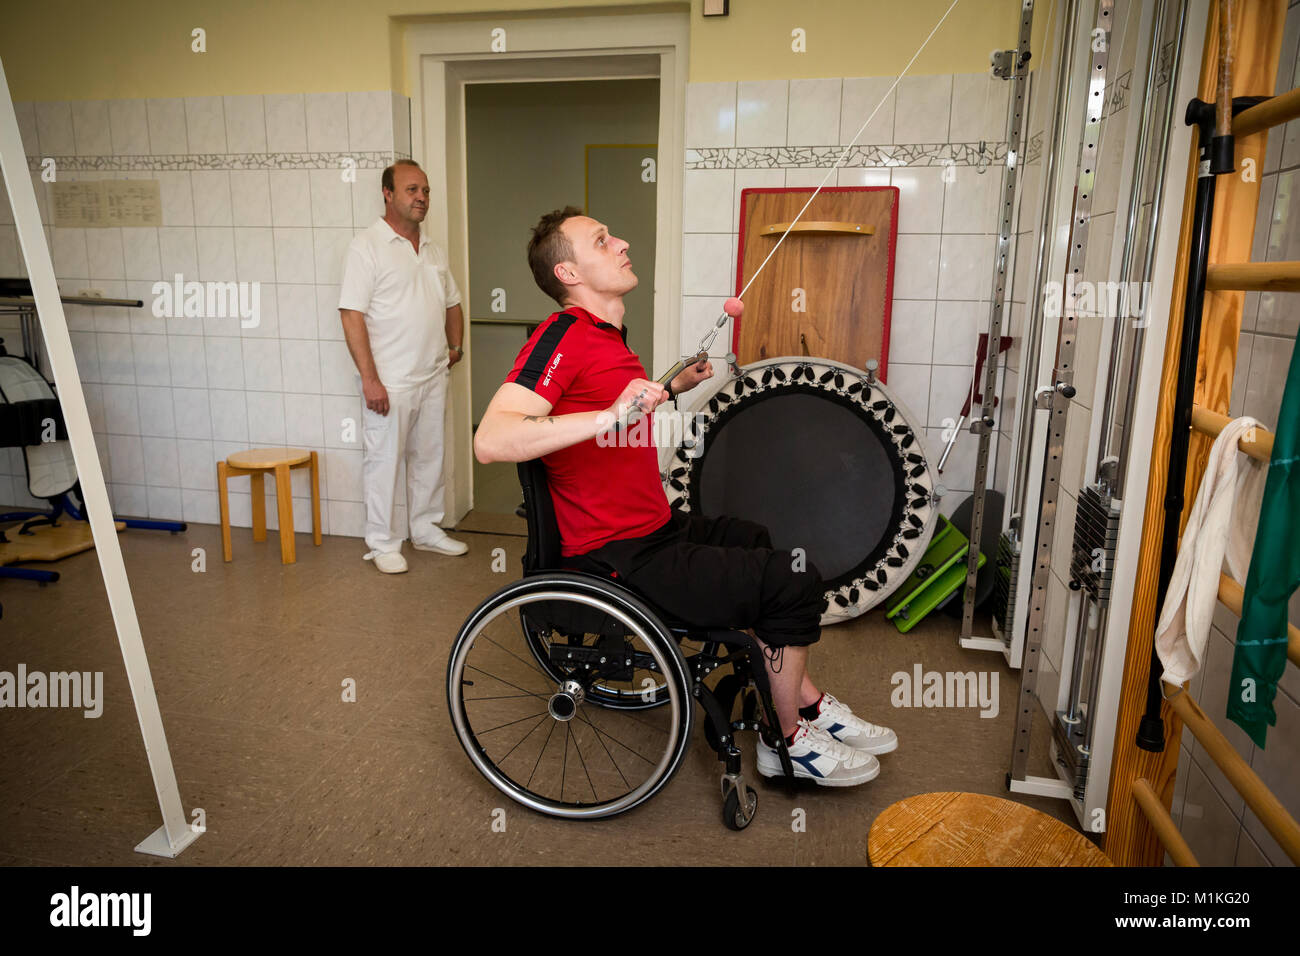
(443, 54)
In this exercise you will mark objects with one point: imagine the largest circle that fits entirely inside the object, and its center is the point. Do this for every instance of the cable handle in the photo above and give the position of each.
(699, 360)
(634, 413)
(733, 308)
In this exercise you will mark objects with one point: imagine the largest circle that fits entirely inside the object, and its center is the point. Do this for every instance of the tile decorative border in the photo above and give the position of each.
(912, 154)
(824, 157)
(372, 159)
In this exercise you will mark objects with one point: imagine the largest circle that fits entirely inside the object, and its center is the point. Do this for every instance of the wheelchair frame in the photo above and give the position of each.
(545, 578)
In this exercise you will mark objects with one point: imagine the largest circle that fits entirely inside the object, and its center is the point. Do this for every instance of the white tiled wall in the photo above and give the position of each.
(252, 190)
(946, 231)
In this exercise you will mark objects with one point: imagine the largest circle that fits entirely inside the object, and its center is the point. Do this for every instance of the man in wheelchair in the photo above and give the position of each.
(575, 380)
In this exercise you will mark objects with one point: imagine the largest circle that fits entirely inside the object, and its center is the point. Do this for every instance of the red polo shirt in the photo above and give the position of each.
(580, 363)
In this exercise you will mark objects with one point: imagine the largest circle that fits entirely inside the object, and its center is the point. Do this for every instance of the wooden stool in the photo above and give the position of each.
(256, 463)
(973, 829)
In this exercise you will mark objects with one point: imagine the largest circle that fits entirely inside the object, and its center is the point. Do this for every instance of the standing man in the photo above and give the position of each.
(402, 319)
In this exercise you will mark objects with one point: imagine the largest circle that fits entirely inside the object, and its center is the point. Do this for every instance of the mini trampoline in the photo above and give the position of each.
(827, 459)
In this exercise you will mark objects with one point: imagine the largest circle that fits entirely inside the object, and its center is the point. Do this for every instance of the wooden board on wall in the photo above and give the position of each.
(847, 277)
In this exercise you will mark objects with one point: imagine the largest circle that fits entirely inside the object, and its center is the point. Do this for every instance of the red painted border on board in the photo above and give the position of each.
(883, 372)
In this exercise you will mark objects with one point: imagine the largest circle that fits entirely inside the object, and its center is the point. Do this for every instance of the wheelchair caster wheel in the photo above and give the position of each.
(735, 815)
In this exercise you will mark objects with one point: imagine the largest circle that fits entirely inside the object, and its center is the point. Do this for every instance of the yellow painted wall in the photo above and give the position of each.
(852, 37)
(121, 49)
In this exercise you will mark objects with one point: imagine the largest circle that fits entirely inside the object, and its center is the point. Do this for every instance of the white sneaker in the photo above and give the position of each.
(848, 728)
(390, 562)
(819, 757)
(440, 542)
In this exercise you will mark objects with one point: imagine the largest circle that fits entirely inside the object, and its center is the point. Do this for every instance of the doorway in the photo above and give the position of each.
(445, 57)
(531, 147)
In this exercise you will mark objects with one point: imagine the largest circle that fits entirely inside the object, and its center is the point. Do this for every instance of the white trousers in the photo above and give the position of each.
(412, 431)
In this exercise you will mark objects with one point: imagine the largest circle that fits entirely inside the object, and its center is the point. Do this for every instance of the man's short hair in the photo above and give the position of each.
(386, 181)
(549, 246)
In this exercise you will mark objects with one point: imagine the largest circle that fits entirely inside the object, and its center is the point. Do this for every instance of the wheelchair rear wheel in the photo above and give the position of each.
(519, 696)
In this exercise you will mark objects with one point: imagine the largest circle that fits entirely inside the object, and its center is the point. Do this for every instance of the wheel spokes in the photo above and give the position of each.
(581, 685)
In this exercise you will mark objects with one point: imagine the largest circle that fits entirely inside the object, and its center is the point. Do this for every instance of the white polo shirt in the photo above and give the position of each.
(405, 297)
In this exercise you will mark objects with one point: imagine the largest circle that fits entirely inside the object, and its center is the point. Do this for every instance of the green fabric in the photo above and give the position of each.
(1274, 575)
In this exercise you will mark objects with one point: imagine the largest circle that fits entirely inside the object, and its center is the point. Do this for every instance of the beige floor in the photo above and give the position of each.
(249, 659)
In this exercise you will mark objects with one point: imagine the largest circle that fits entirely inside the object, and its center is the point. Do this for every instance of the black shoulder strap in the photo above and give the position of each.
(543, 349)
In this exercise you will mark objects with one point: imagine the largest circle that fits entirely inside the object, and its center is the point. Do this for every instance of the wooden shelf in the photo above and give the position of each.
(820, 228)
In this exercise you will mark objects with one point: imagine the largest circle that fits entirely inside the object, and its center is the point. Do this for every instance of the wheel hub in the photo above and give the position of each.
(565, 702)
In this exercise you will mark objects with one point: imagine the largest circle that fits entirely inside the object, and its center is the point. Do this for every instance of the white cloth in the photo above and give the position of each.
(405, 298)
(1222, 523)
(411, 431)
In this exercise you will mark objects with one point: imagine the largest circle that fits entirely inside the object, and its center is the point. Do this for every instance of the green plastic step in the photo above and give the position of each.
(947, 545)
(941, 586)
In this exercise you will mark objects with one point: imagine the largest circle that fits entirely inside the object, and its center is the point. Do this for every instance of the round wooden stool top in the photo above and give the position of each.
(974, 829)
(268, 458)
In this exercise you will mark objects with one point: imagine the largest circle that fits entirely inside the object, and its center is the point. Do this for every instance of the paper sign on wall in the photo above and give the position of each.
(106, 203)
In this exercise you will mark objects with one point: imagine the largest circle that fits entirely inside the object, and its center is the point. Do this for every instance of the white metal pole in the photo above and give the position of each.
(175, 833)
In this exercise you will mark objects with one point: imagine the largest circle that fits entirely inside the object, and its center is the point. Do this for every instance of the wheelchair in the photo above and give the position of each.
(572, 694)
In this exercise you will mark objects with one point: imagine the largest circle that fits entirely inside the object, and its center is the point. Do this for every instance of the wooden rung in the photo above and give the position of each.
(1231, 596)
(1258, 446)
(819, 227)
(1253, 277)
(1257, 795)
(1163, 824)
(1270, 113)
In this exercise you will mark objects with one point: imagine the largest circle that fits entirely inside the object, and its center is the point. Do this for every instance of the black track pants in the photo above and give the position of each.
(717, 572)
